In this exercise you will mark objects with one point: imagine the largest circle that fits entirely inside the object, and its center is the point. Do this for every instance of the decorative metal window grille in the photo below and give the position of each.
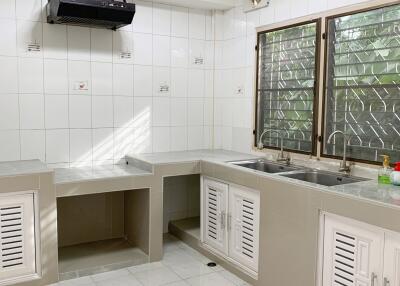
(362, 96)
(286, 87)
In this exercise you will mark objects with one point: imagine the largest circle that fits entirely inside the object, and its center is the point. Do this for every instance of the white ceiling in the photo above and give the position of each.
(203, 4)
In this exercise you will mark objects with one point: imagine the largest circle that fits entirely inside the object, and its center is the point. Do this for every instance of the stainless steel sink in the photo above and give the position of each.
(265, 166)
(323, 178)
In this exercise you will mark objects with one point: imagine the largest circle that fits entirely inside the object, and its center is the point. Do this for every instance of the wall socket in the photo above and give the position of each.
(164, 88)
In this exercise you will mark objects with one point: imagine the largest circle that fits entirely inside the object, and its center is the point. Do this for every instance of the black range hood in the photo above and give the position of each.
(107, 14)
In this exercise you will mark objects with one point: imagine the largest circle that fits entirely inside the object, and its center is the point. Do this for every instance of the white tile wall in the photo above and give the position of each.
(88, 96)
(176, 79)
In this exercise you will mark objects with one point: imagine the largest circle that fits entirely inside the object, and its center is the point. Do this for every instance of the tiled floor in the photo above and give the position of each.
(181, 266)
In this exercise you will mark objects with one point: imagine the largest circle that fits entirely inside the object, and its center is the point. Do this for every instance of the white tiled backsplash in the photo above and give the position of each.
(176, 79)
(79, 96)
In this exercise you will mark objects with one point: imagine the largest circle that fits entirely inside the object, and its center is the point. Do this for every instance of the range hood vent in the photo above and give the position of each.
(107, 14)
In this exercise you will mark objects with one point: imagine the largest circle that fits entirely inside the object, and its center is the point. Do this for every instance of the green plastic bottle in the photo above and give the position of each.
(385, 172)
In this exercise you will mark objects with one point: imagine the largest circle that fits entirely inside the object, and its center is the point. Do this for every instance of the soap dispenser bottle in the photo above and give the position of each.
(395, 176)
(385, 172)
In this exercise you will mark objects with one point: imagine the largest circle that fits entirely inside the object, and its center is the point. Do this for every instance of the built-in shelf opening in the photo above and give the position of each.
(182, 207)
(102, 232)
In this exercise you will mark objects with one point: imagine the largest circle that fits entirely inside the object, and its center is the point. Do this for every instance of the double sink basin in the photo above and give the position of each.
(319, 177)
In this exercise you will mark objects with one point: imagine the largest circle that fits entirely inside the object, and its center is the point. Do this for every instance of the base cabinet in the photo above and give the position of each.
(230, 222)
(18, 255)
(358, 254)
(391, 271)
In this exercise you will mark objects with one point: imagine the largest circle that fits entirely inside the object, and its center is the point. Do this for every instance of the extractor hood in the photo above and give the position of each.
(108, 14)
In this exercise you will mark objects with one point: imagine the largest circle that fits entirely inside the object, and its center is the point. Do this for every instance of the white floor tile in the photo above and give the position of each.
(178, 283)
(83, 281)
(157, 277)
(145, 267)
(110, 275)
(192, 269)
(177, 258)
(181, 266)
(232, 277)
(129, 280)
(213, 279)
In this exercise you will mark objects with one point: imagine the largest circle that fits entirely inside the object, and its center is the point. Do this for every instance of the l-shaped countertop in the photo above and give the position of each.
(142, 166)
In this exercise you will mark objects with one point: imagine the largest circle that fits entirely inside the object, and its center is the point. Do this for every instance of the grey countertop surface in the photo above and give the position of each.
(367, 190)
(80, 174)
(75, 175)
(192, 156)
(16, 168)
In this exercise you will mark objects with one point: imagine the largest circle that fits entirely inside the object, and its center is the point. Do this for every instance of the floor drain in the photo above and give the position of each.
(211, 264)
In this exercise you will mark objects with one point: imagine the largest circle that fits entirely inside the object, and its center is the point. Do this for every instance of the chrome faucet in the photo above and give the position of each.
(343, 165)
(281, 157)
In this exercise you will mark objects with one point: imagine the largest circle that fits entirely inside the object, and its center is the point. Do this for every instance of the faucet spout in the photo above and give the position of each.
(281, 156)
(344, 167)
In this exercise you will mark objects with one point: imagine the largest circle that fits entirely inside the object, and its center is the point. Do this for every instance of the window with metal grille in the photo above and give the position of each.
(362, 90)
(286, 87)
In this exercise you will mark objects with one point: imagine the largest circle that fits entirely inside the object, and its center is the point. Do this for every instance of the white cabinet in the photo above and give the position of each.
(215, 208)
(244, 223)
(391, 271)
(358, 254)
(230, 222)
(352, 252)
(18, 261)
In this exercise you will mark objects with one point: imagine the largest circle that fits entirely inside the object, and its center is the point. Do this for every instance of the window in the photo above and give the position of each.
(362, 90)
(286, 84)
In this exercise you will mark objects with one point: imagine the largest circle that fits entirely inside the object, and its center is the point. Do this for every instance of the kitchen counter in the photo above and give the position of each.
(366, 190)
(83, 174)
(191, 156)
(16, 168)
(290, 212)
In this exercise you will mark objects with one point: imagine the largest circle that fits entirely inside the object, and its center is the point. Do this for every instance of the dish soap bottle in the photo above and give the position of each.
(395, 176)
(385, 171)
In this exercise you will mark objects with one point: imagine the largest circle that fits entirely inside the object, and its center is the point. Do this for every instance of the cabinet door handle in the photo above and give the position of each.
(229, 221)
(386, 282)
(223, 220)
(373, 278)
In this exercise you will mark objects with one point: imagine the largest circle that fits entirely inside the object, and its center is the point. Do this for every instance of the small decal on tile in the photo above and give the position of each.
(240, 90)
(33, 47)
(125, 55)
(198, 61)
(81, 85)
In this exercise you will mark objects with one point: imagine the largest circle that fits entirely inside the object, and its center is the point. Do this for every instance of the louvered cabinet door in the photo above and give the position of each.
(17, 237)
(215, 214)
(352, 253)
(244, 221)
(391, 261)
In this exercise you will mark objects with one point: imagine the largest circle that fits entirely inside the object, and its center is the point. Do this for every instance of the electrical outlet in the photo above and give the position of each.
(125, 55)
(33, 47)
(164, 88)
(198, 60)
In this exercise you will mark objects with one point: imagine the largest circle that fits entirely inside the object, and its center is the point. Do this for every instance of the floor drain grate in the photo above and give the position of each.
(211, 264)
